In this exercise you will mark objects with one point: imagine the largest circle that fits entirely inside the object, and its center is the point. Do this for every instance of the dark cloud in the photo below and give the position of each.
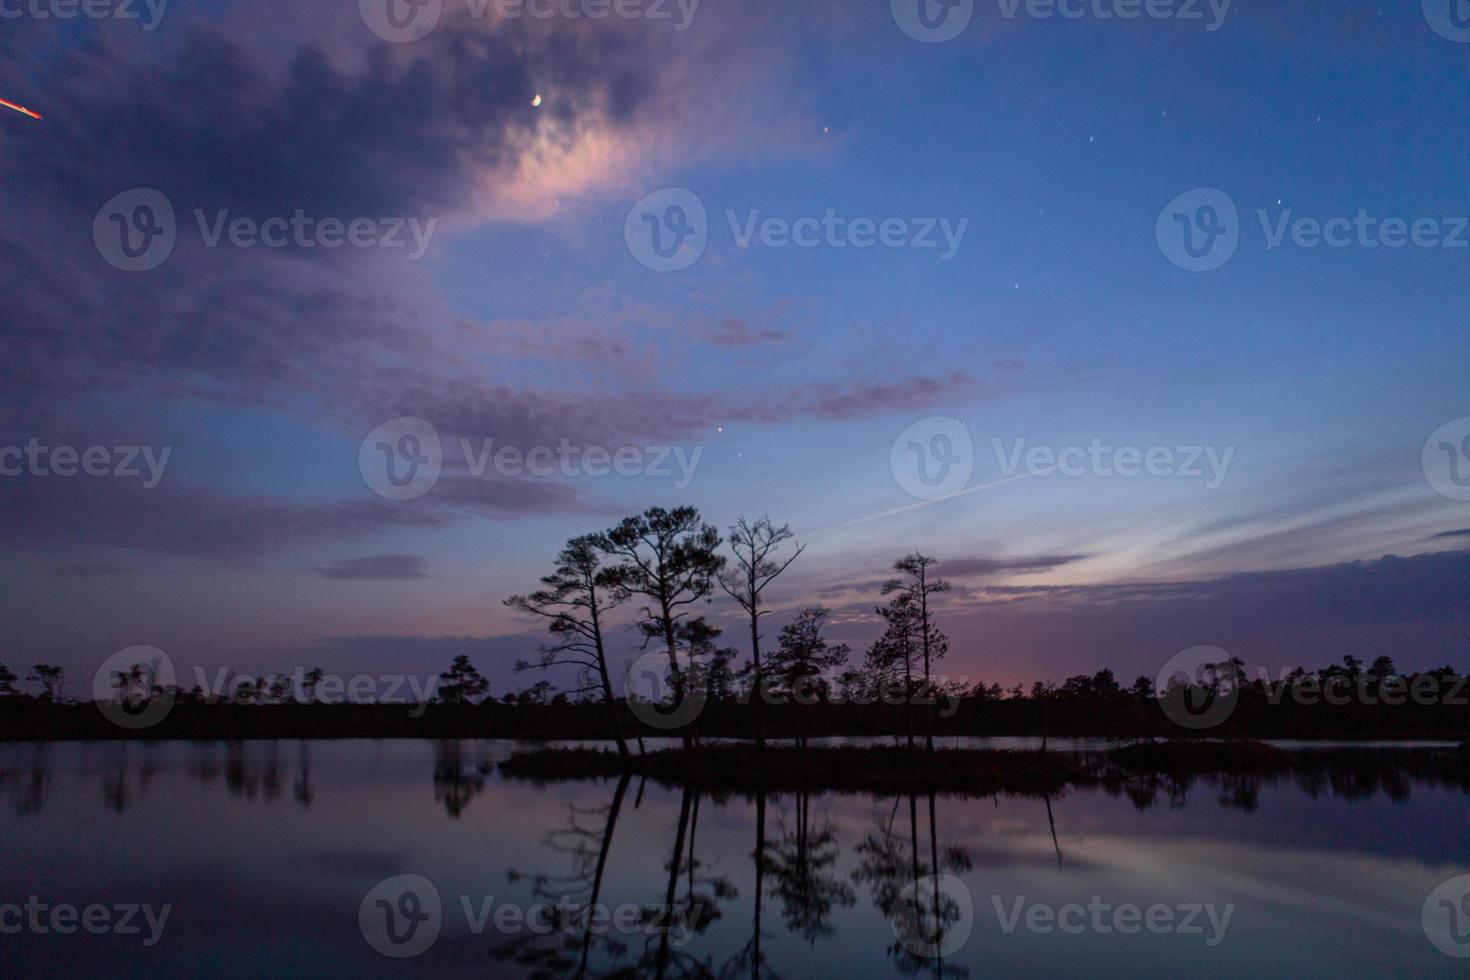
(92, 514)
(378, 568)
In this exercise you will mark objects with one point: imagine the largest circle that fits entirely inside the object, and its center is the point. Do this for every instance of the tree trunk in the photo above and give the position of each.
(607, 691)
(760, 693)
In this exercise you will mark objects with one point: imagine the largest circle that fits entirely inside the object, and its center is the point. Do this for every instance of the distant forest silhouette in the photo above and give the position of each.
(664, 565)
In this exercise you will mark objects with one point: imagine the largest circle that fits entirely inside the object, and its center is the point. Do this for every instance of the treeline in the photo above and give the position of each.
(666, 565)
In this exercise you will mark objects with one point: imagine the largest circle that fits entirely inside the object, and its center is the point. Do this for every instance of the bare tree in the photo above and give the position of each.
(755, 546)
(919, 586)
(574, 599)
(668, 557)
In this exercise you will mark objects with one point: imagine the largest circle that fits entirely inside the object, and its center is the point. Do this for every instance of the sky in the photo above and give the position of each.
(814, 260)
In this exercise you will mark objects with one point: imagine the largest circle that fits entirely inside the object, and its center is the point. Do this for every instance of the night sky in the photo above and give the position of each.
(1058, 154)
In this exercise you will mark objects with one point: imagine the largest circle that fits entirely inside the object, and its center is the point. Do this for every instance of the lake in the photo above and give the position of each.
(361, 858)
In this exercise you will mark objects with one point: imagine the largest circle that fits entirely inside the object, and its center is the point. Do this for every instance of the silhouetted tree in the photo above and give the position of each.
(920, 587)
(709, 664)
(668, 557)
(310, 682)
(891, 657)
(50, 679)
(462, 683)
(7, 683)
(756, 566)
(574, 599)
(803, 656)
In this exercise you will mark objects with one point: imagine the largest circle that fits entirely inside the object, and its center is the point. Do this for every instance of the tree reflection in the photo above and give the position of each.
(894, 869)
(800, 864)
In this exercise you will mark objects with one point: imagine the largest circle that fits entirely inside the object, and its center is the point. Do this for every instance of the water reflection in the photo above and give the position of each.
(803, 884)
(458, 778)
(260, 771)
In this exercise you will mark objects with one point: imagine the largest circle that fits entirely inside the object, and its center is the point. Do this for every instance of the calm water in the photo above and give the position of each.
(270, 857)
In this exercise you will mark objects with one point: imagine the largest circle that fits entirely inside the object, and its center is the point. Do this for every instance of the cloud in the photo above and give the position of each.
(91, 569)
(737, 333)
(378, 568)
(977, 567)
(87, 515)
(341, 126)
(960, 568)
(1411, 608)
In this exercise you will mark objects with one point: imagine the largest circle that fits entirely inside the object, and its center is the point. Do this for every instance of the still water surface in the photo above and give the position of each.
(268, 855)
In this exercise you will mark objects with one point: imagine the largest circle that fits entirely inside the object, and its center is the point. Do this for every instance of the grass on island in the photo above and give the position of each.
(723, 766)
(980, 772)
